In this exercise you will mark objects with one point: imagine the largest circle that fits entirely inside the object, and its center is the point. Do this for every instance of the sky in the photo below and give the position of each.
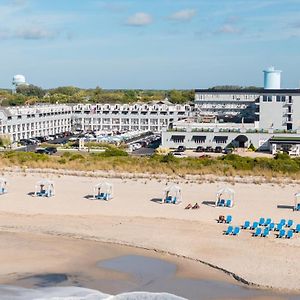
(149, 44)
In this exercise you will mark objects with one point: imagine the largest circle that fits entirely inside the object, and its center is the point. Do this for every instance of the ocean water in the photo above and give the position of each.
(147, 279)
(76, 293)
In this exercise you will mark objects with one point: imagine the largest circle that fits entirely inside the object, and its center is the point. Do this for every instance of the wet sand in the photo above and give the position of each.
(134, 217)
(41, 261)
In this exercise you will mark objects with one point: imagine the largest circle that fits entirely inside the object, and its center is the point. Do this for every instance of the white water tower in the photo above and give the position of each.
(272, 79)
(17, 81)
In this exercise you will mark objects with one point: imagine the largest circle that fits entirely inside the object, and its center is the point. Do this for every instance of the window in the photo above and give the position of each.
(178, 138)
(267, 98)
(280, 98)
(221, 139)
(199, 139)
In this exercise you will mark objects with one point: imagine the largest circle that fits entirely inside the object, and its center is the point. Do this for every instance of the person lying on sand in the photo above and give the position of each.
(196, 206)
(189, 206)
(221, 219)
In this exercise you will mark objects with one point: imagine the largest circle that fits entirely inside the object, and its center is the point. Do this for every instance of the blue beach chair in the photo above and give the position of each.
(268, 221)
(254, 225)
(246, 225)
(228, 203)
(257, 232)
(297, 229)
(271, 226)
(290, 234)
(229, 230)
(281, 233)
(283, 222)
(228, 219)
(266, 232)
(279, 227)
(297, 207)
(261, 221)
(168, 199)
(289, 223)
(236, 231)
(221, 202)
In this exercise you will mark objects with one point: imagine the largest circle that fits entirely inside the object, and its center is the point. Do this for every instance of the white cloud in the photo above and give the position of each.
(183, 15)
(228, 29)
(34, 33)
(139, 19)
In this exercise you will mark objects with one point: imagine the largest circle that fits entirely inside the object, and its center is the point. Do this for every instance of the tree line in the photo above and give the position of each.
(31, 94)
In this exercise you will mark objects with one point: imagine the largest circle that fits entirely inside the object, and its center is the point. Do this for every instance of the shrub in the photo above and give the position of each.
(169, 158)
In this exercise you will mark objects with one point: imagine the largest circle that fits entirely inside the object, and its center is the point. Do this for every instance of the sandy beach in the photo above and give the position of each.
(133, 217)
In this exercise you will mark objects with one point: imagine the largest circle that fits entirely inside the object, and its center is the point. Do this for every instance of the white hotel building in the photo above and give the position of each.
(43, 120)
(273, 119)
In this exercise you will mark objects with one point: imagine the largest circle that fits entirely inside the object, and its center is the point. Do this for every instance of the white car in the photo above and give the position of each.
(179, 154)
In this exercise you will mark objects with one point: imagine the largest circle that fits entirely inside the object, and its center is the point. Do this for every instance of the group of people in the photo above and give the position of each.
(190, 206)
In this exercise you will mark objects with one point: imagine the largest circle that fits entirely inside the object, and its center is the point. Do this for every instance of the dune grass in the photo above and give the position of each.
(115, 159)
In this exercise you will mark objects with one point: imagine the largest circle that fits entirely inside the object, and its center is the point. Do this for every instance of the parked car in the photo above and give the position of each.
(200, 149)
(179, 154)
(218, 149)
(209, 149)
(228, 150)
(41, 151)
(32, 141)
(50, 150)
(25, 142)
(181, 148)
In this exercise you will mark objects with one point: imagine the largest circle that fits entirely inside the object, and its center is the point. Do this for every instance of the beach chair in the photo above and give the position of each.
(99, 196)
(297, 229)
(279, 227)
(290, 234)
(228, 203)
(257, 232)
(254, 225)
(174, 201)
(236, 231)
(228, 219)
(289, 223)
(283, 222)
(221, 202)
(271, 226)
(297, 207)
(246, 225)
(268, 221)
(266, 232)
(281, 234)
(229, 230)
(261, 221)
(168, 199)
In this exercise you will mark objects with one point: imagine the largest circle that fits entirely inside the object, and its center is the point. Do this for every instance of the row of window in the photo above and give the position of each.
(279, 98)
(199, 140)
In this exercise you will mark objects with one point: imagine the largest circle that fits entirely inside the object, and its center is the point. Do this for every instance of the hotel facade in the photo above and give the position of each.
(274, 115)
(43, 120)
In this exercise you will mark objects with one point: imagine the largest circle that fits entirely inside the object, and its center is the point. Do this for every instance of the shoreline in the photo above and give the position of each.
(236, 277)
(131, 217)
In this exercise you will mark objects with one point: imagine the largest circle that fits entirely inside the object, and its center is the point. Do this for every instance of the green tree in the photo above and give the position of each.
(31, 91)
